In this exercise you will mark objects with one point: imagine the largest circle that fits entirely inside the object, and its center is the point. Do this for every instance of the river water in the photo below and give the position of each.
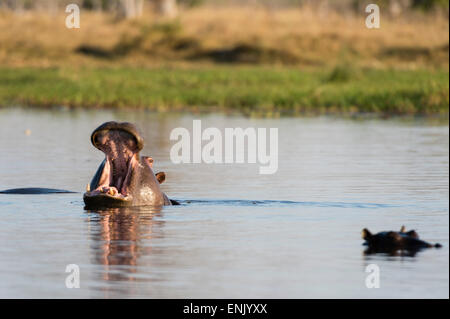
(237, 234)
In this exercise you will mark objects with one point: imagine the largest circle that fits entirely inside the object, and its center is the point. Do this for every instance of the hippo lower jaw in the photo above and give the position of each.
(101, 200)
(104, 193)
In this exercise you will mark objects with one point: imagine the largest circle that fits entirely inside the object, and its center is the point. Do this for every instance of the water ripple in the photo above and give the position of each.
(280, 203)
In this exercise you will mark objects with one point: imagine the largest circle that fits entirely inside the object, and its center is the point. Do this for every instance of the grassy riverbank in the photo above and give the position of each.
(258, 90)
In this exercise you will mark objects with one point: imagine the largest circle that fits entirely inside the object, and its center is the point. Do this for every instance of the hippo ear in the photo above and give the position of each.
(366, 235)
(161, 177)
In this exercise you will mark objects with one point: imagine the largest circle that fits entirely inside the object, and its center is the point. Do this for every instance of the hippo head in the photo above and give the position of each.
(393, 241)
(124, 178)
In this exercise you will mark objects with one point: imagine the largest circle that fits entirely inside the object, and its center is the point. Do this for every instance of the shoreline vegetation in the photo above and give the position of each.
(253, 91)
(287, 62)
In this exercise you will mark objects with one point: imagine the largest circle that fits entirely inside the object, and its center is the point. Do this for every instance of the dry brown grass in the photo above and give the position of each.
(210, 35)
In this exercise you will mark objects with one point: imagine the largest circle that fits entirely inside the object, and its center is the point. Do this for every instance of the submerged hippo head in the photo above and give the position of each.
(124, 178)
(393, 241)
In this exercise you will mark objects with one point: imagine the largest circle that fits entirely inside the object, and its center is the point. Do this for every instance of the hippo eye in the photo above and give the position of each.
(394, 236)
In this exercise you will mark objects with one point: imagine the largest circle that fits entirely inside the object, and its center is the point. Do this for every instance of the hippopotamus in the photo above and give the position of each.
(35, 191)
(392, 241)
(124, 178)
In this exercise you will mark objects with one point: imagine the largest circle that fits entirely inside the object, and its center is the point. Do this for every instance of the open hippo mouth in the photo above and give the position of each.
(121, 144)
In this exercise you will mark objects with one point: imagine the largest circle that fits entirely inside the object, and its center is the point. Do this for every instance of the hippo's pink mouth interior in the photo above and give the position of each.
(120, 149)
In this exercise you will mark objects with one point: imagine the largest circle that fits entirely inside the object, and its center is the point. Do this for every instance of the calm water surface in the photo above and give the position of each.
(294, 234)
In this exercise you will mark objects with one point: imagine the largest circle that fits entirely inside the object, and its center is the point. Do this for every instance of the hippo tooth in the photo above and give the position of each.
(88, 188)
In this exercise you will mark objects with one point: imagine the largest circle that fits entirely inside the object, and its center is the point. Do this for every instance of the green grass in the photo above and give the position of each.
(249, 90)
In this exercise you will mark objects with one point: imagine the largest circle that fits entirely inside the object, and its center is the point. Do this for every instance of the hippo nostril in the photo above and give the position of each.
(138, 142)
(98, 138)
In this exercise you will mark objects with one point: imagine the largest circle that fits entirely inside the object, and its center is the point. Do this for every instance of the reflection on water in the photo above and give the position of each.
(236, 234)
(116, 236)
(394, 252)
